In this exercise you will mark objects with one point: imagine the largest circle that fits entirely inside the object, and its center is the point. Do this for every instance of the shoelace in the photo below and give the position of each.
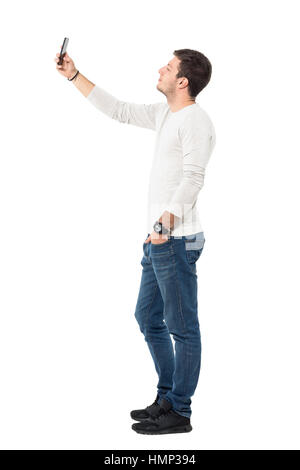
(162, 415)
(153, 404)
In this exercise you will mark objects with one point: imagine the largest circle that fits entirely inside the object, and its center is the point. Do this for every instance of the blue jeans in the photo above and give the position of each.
(167, 304)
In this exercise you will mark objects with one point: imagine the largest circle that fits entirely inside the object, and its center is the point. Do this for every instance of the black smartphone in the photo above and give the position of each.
(63, 51)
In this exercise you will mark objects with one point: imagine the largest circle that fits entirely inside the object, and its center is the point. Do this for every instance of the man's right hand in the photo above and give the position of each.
(67, 69)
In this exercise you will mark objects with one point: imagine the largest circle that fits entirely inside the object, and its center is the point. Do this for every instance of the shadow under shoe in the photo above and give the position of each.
(149, 412)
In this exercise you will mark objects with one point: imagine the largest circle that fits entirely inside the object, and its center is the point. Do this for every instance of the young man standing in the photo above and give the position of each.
(167, 303)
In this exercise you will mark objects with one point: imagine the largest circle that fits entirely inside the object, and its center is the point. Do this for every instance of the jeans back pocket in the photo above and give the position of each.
(193, 246)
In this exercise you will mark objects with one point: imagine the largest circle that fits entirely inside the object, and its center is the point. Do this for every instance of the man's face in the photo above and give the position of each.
(167, 80)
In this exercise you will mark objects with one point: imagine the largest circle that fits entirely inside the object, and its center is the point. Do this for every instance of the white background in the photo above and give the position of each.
(73, 189)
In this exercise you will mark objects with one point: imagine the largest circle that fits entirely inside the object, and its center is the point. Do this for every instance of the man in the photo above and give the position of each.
(167, 301)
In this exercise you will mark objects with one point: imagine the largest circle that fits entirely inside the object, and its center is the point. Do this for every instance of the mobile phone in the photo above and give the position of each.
(63, 51)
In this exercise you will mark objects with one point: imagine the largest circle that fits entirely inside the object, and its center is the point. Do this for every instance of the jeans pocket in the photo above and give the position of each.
(194, 245)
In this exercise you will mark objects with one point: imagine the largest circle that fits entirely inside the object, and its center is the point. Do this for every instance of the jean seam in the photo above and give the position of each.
(178, 294)
(147, 316)
(183, 322)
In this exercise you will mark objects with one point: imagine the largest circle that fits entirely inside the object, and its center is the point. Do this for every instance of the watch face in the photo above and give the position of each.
(157, 227)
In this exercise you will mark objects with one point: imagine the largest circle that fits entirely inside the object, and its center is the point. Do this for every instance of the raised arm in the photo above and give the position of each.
(142, 115)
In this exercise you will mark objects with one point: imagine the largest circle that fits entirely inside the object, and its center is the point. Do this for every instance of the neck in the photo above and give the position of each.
(176, 104)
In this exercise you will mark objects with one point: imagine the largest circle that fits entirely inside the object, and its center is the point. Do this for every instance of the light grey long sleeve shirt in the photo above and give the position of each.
(185, 140)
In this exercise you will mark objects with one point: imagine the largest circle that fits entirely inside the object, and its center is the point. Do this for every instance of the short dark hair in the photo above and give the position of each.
(195, 67)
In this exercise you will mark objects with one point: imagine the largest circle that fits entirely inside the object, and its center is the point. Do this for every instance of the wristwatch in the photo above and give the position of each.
(159, 228)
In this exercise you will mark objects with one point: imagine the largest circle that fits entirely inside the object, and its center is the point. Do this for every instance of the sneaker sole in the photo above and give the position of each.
(186, 428)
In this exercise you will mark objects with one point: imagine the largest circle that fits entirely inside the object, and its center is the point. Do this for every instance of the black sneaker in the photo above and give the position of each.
(168, 422)
(149, 412)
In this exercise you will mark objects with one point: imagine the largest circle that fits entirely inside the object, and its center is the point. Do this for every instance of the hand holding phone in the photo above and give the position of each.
(64, 63)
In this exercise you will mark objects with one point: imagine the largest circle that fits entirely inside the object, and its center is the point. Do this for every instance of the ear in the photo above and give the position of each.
(184, 82)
